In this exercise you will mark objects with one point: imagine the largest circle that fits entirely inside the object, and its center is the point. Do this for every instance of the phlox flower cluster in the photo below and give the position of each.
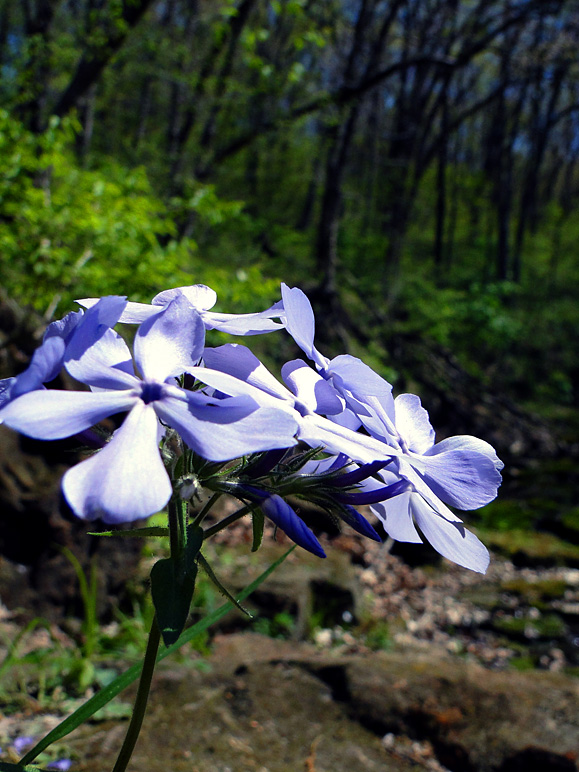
(329, 432)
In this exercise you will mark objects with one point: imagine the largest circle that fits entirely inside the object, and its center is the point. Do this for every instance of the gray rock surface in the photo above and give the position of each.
(280, 706)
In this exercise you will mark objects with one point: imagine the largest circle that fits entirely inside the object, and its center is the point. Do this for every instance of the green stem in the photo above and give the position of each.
(200, 516)
(228, 520)
(141, 699)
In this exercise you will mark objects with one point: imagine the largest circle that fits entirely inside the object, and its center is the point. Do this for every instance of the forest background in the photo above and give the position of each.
(412, 164)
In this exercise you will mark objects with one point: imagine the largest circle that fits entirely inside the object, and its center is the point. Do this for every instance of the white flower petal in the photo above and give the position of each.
(52, 415)
(124, 481)
(413, 423)
(396, 517)
(451, 540)
(170, 342)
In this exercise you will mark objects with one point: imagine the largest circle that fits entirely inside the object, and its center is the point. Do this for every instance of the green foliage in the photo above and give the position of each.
(548, 626)
(475, 318)
(517, 338)
(173, 583)
(281, 625)
(378, 636)
(505, 514)
(537, 548)
(68, 232)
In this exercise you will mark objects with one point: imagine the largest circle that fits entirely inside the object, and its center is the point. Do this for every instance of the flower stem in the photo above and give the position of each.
(199, 517)
(140, 705)
(228, 520)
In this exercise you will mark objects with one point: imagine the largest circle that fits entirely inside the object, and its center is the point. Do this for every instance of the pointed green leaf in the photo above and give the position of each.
(223, 590)
(258, 523)
(194, 543)
(172, 593)
(152, 530)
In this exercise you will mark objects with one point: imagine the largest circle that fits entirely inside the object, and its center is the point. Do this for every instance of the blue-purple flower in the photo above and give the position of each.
(350, 377)
(383, 448)
(127, 480)
(46, 361)
(463, 471)
(202, 298)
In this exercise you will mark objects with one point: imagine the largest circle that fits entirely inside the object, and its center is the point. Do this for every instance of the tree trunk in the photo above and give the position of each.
(327, 241)
(441, 190)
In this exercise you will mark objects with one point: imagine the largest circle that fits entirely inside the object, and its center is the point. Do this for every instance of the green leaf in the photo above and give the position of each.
(6, 767)
(195, 536)
(172, 591)
(222, 589)
(258, 523)
(152, 530)
(105, 695)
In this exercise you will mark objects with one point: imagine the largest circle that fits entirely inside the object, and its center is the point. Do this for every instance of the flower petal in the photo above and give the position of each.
(126, 480)
(317, 430)
(200, 296)
(423, 487)
(63, 328)
(239, 361)
(96, 354)
(413, 423)
(220, 432)
(245, 324)
(52, 415)
(466, 442)
(451, 540)
(293, 526)
(396, 516)
(135, 313)
(106, 364)
(461, 478)
(300, 322)
(358, 378)
(235, 387)
(170, 342)
(311, 389)
(45, 365)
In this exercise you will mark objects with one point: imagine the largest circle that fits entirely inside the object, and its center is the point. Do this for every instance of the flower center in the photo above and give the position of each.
(151, 391)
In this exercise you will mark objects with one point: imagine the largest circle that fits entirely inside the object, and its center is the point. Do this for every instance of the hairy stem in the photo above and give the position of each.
(228, 520)
(206, 508)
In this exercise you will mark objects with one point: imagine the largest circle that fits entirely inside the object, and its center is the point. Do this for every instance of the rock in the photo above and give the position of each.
(304, 586)
(279, 706)
(249, 712)
(476, 719)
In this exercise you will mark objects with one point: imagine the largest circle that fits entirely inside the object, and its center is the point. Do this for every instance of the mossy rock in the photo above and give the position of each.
(526, 548)
(546, 627)
(537, 593)
(503, 515)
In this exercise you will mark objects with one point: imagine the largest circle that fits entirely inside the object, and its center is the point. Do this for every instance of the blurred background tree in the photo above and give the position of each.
(412, 163)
